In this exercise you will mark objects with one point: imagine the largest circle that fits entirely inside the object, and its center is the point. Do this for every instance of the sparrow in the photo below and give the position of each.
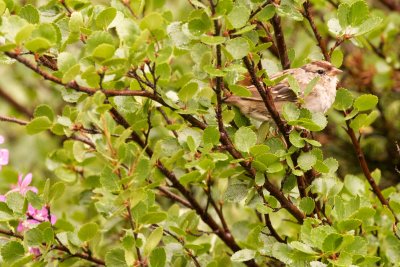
(319, 99)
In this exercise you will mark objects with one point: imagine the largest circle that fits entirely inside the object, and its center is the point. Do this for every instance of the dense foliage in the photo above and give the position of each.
(119, 150)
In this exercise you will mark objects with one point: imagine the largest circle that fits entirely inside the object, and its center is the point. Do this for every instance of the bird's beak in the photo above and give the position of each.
(335, 71)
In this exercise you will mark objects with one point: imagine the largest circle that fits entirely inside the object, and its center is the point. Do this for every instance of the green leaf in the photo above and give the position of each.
(343, 100)
(154, 217)
(235, 192)
(33, 237)
(290, 111)
(290, 11)
(88, 231)
(70, 74)
(153, 240)
(365, 102)
(238, 47)
(239, 16)
(212, 71)
(105, 17)
(368, 25)
(243, 255)
(358, 13)
(34, 200)
(212, 40)
(302, 247)
(12, 251)
(343, 15)
(310, 86)
(30, 14)
(38, 45)
(56, 191)
(75, 22)
(294, 84)
(337, 58)
(307, 205)
(109, 180)
(211, 135)
(103, 52)
(358, 122)
(190, 177)
(188, 91)
(44, 111)
(38, 125)
(266, 13)
(306, 161)
(65, 61)
(24, 33)
(15, 201)
(158, 257)
(332, 242)
(244, 139)
(116, 258)
(239, 90)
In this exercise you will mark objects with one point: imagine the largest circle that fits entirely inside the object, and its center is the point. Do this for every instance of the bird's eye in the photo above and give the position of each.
(320, 71)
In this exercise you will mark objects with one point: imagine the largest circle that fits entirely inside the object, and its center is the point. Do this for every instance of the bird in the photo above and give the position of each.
(319, 99)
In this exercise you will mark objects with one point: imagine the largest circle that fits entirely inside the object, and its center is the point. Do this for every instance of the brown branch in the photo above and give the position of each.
(164, 190)
(280, 41)
(83, 256)
(10, 100)
(321, 43)
(391, 4)
(13, 120)
(364, 166)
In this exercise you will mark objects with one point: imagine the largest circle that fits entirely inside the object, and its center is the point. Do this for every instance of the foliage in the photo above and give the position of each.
(137, 161)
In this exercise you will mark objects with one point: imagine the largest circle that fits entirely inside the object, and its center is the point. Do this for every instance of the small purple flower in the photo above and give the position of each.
(3, 157)
(23, 185)
(35, 251)
(35, 216)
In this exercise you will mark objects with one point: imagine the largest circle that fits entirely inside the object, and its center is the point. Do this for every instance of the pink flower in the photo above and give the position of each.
(2, 198)
(1, 139)
(3, 157)
(35, 251)
(35, 216)
(23, 185)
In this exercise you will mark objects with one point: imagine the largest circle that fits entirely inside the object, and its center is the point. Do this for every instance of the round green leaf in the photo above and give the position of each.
(243, 255)
(306, 161)
(88, 231)
(307, 205)
(366, 102)
(343, 100)
(105, 17)
(244, 139)
(238, 47)
(38, 125)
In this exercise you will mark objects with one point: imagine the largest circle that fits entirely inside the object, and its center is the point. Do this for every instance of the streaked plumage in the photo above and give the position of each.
(320, 99)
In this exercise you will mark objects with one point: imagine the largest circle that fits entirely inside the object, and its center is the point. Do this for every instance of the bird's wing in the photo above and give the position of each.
(281, 92)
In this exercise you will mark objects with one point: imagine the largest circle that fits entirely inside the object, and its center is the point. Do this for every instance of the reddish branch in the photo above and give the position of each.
(280, 41)
(13, 120)
(83, 256)
(321, 42)
(365, 169)
(14, 103)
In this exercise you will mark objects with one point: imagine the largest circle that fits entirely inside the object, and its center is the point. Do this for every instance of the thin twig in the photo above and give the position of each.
(10, 100)
(321, 43)
(364, 166)
(13, 120)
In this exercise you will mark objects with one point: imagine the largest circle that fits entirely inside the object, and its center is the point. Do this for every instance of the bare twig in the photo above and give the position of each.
(10, 100)
(13, 120)
(321, 43)
(364, 166)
